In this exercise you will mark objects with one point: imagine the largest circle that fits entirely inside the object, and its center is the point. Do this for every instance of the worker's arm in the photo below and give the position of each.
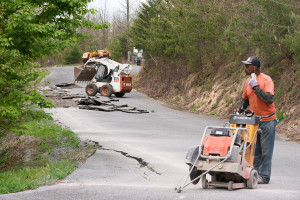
(265, 96)
(244, 105)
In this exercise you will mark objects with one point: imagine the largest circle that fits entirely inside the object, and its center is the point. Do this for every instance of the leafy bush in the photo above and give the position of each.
(29, 31)
(280, 114)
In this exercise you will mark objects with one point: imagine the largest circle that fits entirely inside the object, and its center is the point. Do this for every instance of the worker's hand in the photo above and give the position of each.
(253, 82)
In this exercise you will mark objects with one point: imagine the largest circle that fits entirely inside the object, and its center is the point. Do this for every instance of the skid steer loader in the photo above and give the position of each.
(106, 76)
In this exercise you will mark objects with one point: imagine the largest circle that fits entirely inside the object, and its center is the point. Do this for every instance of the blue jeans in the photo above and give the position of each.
(264, 149)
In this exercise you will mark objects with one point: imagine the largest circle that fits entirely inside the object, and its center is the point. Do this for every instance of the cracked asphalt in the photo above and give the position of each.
(143, 155)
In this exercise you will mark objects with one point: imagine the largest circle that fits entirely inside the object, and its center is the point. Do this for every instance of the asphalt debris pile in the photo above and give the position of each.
(64, 98)
(67, 85)
(95, 103)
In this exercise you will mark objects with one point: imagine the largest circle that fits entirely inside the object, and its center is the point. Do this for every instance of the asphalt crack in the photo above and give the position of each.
(141, 161)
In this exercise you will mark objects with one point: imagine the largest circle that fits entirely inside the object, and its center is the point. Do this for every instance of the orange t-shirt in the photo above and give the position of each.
(258, 106)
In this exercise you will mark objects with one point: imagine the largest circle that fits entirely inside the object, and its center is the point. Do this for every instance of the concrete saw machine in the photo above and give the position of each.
(226, 154)
(105, 76)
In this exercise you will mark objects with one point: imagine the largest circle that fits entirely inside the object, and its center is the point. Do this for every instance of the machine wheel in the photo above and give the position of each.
(230, 185)
(194, 174)
(91, 89)
(253, 179)
(119, 94)
(106, 90)
(204, 182)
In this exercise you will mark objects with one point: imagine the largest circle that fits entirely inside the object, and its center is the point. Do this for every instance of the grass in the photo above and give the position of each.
(209, 85)
(50, 132)
(213, 113)
(215, 106)
(177, 99)
(227, 98)
(38, 152)
(198, 106)
(31, 178)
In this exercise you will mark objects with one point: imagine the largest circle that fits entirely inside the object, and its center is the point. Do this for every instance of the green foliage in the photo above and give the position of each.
(208, 85)
(177, 99)
(73, 55)
(280, 115)
(117, 47)
(215, 106)
(227, 98)
(43, 137)
(52, 134)
(31, 178)
(213, 113)
(298, 72)
(196, 107)
(202, 32)
(3, 156)
(30, 30)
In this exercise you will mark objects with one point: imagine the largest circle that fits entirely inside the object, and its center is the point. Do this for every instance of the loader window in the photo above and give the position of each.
(102, 74)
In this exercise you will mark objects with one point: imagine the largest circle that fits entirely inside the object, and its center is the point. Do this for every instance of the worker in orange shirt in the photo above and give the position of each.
(259, 95)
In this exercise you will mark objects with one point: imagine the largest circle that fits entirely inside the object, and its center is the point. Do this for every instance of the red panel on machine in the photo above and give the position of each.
(126, 83)
(214, 145)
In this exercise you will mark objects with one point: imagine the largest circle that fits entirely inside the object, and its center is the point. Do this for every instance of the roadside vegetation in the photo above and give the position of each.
(38, 152)
(193, 51)
(33, 149)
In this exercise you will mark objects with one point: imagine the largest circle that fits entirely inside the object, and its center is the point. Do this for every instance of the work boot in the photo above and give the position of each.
(261, 180)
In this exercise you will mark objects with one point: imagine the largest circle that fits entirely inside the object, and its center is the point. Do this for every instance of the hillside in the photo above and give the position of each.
(220, 93)
(193, 51)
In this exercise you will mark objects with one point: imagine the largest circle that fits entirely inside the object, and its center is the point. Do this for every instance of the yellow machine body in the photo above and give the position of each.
(249, 156)
(97, 53)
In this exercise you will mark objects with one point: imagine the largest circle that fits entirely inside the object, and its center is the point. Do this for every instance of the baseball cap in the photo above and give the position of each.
(252, 60)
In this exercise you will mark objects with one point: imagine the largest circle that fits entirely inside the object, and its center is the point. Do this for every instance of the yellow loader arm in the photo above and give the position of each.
(87, 72)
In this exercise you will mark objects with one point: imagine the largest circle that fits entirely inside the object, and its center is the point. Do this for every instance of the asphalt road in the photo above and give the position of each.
(161, 138)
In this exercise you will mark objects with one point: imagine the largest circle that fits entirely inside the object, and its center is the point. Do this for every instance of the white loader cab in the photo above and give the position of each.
(108, 77)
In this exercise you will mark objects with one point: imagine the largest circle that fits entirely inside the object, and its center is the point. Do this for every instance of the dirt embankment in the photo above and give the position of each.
(217, 91)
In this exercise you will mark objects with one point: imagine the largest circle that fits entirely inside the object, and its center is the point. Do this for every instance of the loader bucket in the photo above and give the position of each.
(84, 74)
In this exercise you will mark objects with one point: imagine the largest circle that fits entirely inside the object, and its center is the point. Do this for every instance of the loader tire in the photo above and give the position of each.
(106, 90)
(91, 89)
(119, 94)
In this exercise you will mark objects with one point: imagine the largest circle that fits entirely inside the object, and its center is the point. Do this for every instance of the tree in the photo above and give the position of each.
(118, 47)
(73, 54)
(96, 39)
(204, 32)
(31, 29)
